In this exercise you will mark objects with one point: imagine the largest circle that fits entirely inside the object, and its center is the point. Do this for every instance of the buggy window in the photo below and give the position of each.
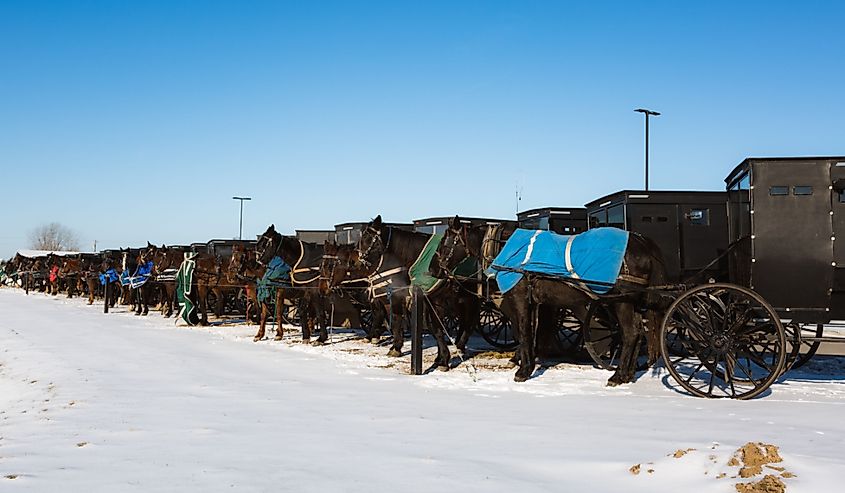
(699, 217)
(598, 218)
(802, 190)
(779, 190)
(616, 216)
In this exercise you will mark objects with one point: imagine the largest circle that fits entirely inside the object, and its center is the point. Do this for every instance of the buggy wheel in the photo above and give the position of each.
(603, 338)
(211, 301)
(365, 316)
(452, 325)
(495, 327)
(801, 346)
(722, 340)
(568, 337)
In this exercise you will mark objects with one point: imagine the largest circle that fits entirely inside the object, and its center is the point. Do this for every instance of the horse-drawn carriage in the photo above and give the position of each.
(781, 217)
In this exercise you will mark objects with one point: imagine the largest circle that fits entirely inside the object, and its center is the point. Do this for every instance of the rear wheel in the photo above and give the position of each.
(495, 327)
(801, 343)
(603, 338)
(722, 340)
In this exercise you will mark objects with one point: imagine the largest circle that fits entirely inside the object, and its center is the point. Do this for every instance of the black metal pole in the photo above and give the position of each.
(646, 152)
(241, 223)
(106, 296)
(416, 330)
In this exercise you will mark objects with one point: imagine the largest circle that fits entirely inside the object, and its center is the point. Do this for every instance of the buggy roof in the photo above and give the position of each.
(660, 197)
(761, 160)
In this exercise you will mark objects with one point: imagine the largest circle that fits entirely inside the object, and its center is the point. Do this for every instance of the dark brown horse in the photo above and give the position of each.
(166, 261)
(304, 261)
(244, 270)
(390, 253)
(342, 275)
(643, 264)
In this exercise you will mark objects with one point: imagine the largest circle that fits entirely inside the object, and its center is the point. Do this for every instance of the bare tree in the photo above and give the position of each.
(54, 237)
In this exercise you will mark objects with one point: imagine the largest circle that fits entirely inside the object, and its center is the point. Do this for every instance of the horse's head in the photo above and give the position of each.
(373, 241)
(453, 249)
(149, 253)
(241, 263)
(332, 272)
(268, 243)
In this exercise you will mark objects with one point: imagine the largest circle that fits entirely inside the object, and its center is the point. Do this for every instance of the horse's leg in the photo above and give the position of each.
(444, 356)
(202, 293)
(652, 327)
(262, 322)
(468, 315)
(170, 295)
(219, 302)
(397, 326)
(377, 328)
(518, 308)
(280, 306)
(630, 347)
(146, 294)
(318, 303)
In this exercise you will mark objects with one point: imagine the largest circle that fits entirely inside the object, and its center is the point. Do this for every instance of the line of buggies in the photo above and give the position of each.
(729, 288)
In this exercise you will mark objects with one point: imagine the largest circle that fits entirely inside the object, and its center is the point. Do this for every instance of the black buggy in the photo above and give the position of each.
(786, 280)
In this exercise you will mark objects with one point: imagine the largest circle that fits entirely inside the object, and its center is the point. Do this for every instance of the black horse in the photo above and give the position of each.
(389, 253)
(642, 265)
(342, 275)
(304, 260)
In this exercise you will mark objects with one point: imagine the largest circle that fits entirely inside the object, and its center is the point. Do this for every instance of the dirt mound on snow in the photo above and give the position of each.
(751, 459)
(769, 484)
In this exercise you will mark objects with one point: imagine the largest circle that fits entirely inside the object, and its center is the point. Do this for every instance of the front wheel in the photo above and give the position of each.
(722, 340)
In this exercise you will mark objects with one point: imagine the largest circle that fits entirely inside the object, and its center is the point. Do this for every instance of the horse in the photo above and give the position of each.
(209, 276)
(343, 275)
(244, 270)
(138, 268)
(643, 266)
(109, 275)
(69, 271)
(166, 261)
(390, 253)
(302, 260)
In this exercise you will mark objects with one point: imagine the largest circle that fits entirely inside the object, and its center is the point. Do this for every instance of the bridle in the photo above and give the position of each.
(460, 238)
(364, 255)
(261, 250)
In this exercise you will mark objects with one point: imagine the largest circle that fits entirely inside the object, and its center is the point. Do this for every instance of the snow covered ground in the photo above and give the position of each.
(93, 402)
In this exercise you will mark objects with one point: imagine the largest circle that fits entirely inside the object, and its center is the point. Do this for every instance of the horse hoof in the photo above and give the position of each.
(277, 338)
(443, 367)
(375, 341)
(318, 342)
(394, 353)
(612, 383)
(519, 378)
(256, 338)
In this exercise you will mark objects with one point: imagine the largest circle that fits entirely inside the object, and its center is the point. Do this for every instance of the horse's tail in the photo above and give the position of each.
(656, 302)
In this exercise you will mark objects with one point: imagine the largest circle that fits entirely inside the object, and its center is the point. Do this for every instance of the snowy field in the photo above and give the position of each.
(93, 402)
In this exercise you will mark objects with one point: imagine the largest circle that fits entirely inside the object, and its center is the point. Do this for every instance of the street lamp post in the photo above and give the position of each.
(241, 222)
(647, 113)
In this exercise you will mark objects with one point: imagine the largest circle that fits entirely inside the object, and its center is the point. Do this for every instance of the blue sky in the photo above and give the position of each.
(135, 121)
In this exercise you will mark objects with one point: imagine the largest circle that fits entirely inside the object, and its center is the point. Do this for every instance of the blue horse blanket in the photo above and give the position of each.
(277, 275)
(595, 255)
(109, 276)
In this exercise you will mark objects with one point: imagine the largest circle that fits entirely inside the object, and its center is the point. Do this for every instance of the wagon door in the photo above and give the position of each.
(837, 175)
(791, 242)
(660, 223)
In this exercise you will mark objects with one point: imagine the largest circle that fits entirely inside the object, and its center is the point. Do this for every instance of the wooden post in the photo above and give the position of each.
(416, 329)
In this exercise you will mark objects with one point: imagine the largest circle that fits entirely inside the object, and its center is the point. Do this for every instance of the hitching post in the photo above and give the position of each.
(106, 296)
(416, 330)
